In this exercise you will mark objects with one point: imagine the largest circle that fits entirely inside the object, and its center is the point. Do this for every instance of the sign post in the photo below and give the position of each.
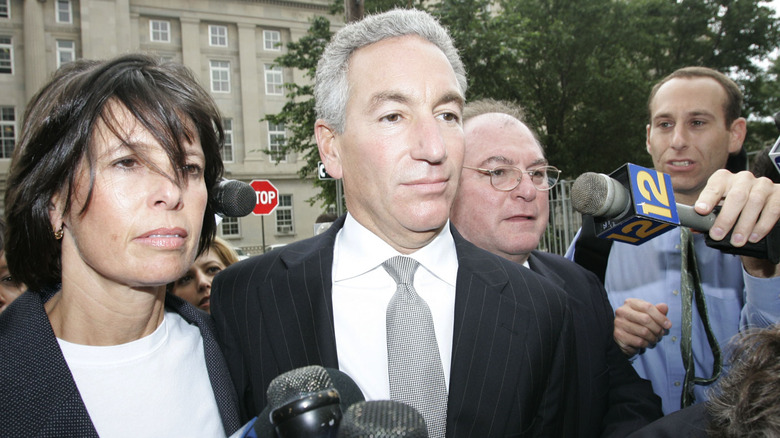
(267, 201)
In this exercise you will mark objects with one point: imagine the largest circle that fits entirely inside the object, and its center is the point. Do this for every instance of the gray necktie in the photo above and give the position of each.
(414, 365)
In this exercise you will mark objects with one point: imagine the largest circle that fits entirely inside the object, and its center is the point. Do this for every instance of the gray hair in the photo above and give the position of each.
(331, 89)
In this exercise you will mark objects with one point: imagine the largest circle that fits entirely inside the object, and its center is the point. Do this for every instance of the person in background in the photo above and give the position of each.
(502, 206)
(194, 286)
(10, 289)
(694, 127)
(745, 403)
(389, 92)
(107, 202)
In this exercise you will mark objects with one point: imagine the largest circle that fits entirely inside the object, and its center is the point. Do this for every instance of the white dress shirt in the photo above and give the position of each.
(362, 290)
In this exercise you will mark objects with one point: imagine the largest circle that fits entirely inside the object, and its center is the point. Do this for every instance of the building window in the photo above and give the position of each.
(160, 31)
(5, 9)
(64, 11)
(273, 80)
(7, 131)
(66, 52)
(6, 55)
(230, 227)
(218, 36)
(227, 151)
(276, 136)
(272, 40)
(220, 76)
(284, 215)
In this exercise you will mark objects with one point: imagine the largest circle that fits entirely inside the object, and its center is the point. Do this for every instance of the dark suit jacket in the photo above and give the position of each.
(613, 400)
(38, 396)
(691, 422)
(511, 364)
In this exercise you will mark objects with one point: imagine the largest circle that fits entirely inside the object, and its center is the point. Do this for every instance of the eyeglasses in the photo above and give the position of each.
(507, 178)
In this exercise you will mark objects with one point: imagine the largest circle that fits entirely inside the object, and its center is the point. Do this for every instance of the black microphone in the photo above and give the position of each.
(306, 402)
(233, 198)
(382, 419)
(635, 204)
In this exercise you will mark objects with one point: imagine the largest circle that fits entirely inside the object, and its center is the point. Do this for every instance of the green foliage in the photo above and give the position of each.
(581, 68)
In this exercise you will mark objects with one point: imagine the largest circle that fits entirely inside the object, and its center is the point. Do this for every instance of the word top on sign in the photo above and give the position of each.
(267, 197)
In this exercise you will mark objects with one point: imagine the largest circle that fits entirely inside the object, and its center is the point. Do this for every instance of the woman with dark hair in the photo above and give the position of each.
(107, 202)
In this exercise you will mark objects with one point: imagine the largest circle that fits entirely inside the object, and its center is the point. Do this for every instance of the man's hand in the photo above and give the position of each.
(640, 324)
(751, 206)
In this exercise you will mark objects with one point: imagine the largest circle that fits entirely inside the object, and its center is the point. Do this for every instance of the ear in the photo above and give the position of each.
(737, 131)
(56, 209)
(328, 145)
(647, 138)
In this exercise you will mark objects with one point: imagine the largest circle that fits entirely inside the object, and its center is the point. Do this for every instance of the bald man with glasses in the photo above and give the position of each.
(502, 206)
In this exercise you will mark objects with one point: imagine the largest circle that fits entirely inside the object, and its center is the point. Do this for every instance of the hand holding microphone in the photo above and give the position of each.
(635, 204)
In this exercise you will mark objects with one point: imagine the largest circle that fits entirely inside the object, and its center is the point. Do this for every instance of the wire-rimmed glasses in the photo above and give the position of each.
(506, 178)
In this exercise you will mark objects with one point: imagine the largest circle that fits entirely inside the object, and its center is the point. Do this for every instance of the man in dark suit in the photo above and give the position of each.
(389, 93)
(502, 206)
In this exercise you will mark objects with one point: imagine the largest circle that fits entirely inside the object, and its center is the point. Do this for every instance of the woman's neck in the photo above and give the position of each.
(105, 316)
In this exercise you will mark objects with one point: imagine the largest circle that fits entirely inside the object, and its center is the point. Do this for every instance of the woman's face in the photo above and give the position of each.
(140, 230)
(9, 289)
(195, 286)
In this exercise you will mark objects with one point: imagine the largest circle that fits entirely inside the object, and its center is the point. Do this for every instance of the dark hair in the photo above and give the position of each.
(747, 403)
(58, 127)
(732, 108)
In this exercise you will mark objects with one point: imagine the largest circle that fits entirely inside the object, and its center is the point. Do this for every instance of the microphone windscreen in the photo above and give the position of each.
(599, 195)
(298, 381)
(588, 193)
(233, 198)
(382, 419)
(295, 383)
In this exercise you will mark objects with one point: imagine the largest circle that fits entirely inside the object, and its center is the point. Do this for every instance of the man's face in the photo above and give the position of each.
(687, 135)
(508, 224)
(402, 147)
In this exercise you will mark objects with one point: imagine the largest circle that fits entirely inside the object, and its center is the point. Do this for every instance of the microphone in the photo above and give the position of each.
(233, 198)
(635, 204)
(382, 419)
(306, 402)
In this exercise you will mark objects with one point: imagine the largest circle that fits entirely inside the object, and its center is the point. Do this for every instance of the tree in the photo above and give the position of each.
(582, 68)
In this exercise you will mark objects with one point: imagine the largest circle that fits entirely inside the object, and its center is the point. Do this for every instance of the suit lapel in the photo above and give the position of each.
(46, 385)
(540, 267)
(300, 304)
(489, 332)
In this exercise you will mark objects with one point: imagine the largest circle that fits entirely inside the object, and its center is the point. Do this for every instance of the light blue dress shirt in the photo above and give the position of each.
(735, 300)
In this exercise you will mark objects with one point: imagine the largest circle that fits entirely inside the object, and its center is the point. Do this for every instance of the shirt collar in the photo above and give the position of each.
(358, 251)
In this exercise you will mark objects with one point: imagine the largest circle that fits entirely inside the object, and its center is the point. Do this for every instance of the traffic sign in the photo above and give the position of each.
(267, 197)
(322, 173)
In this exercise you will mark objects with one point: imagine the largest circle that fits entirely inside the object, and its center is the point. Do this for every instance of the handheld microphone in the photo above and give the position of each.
(306, 402)
(233, 198)
(382, 419)
(635, 204)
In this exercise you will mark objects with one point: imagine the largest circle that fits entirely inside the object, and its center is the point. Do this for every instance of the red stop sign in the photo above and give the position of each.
(267, 196)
